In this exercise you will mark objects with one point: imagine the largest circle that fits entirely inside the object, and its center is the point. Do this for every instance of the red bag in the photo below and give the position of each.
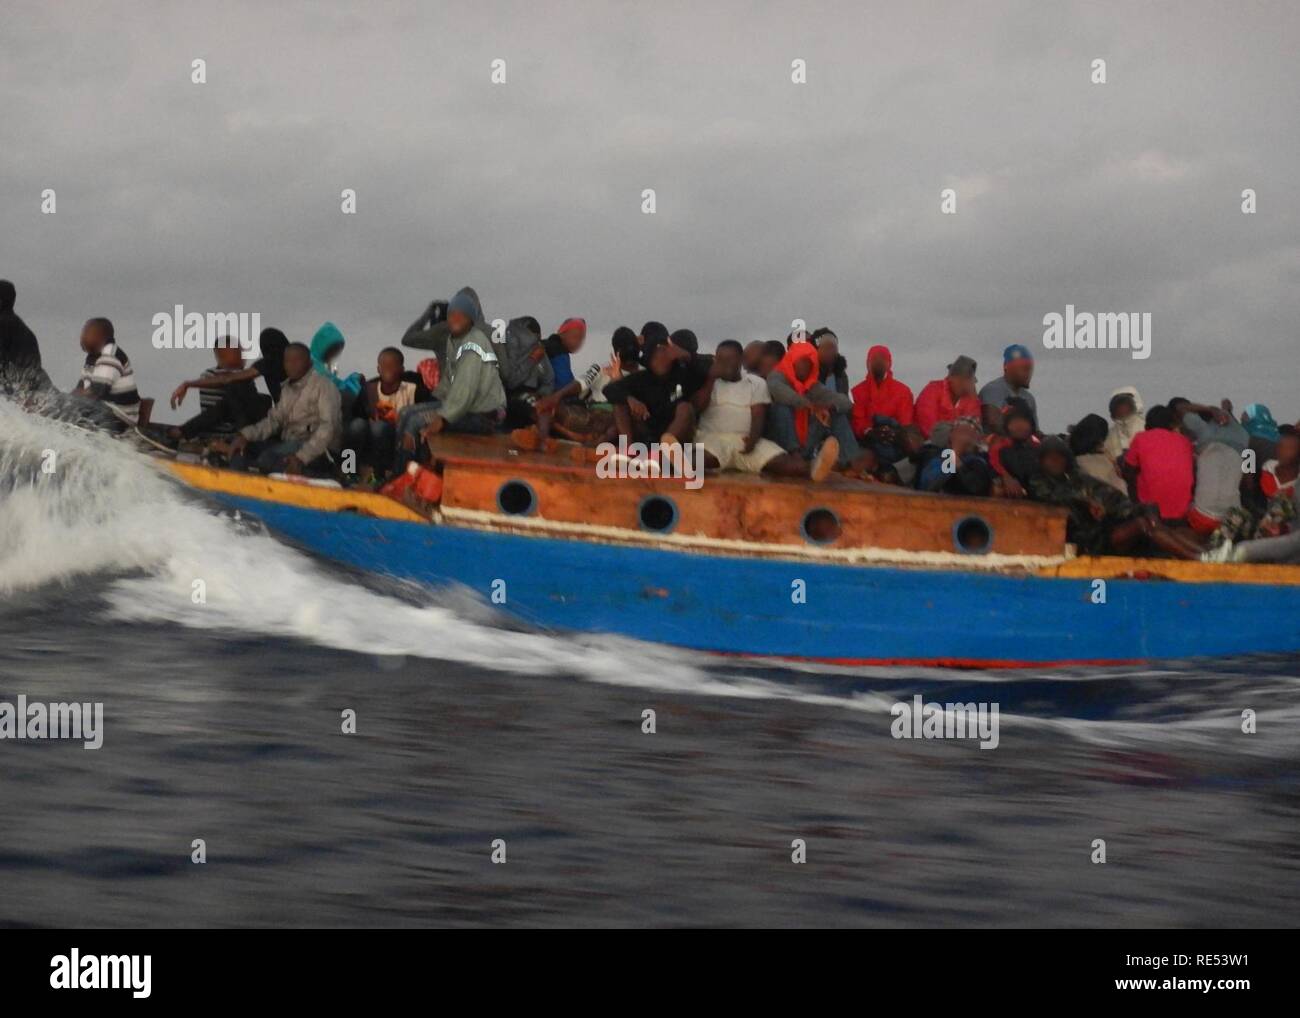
(430, 372)
(418, 480)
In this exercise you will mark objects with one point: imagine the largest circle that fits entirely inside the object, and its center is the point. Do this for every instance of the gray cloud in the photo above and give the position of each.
(775, 200)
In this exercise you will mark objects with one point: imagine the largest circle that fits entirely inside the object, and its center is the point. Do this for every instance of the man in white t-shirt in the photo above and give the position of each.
(732, 408)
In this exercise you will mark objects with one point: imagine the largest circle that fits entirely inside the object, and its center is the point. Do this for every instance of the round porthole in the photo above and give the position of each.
(972, 535)
(821, 526)
(657, 513)
(517, 498)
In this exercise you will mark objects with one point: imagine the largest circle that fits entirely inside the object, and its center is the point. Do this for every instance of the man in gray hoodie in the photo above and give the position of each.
(470, 397)
(526, 372)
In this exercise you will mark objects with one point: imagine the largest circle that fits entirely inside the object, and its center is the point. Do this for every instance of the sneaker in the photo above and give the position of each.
(1223, 553)
(824, 462)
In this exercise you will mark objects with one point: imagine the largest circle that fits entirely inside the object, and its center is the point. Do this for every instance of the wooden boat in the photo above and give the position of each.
(843, 572)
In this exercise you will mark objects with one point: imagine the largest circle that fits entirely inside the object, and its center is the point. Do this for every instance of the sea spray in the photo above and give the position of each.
(109, 510)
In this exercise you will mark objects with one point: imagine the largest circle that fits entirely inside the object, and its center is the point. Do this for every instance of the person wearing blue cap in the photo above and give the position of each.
(1017, 371)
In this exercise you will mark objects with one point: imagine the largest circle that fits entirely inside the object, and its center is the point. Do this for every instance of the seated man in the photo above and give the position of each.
(959, 466)
(372, 432)
(1017, 373)
(1128, 420)
(470, 397)
(591, 418)
(20, 353)
(1160, 466)
(1013, 451)
(1219, 442)
(301, 429)
(733, 411)
(623, 361)
(1102, 521)
(1270, 511)
(654, 405)
(269, 367)
(946, 399)
(1088, 441)
(225, 408)
(805, 412)
(766, 360)
(560, 348)
(832, 369)
(106, 375)
(326, 348)
(880, 394)
(526, 372)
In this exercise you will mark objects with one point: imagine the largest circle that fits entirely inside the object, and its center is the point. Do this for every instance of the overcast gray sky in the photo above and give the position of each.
(775, 200)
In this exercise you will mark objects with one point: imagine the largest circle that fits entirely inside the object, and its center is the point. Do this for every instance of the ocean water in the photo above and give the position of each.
(222, 722)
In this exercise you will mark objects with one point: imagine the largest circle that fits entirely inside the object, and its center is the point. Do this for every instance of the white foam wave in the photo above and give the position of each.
(104, 509)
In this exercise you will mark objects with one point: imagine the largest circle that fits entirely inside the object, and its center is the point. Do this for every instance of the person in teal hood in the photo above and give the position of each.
(326, 346)
(1258, 421)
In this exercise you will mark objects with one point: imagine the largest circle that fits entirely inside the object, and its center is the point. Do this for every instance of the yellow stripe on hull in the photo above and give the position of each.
(305, 496)
(1175, 569)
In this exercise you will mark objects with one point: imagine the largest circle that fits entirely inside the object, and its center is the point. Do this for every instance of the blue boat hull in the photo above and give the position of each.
(743, 605)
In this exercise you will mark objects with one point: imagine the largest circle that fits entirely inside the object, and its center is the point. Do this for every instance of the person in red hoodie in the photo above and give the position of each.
(880, 394)
(946, 399)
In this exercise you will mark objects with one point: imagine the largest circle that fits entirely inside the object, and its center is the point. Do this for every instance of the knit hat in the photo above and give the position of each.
(963, 367)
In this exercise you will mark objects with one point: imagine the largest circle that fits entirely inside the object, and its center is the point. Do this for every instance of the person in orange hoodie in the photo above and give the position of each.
(946, 399)
(880, 394)
(805, 413)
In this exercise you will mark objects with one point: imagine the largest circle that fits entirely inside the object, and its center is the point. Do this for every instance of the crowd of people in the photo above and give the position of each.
(1183, 479)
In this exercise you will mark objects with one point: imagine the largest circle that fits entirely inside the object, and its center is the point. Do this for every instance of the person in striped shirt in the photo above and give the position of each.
(106, 375)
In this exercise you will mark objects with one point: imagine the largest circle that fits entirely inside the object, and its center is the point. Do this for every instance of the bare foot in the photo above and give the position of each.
(530, 440)
(825, 460)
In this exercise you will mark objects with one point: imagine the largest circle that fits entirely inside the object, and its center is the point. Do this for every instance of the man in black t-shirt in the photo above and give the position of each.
(653, 404)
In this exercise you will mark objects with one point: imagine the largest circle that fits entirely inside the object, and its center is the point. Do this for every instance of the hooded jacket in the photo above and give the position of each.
(520, 372)
(785, 380)
(1259, 422)
(327, 337)
(471, 377)
(1123, 432)
(19, 351)
(935, 404)
(889, 398)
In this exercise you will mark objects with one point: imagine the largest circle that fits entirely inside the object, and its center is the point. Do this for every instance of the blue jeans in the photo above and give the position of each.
(267, 457)
(414, 419)
(372, 441)
(781, 430)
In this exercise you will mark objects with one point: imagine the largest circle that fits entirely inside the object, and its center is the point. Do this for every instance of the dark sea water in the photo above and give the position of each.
(222, 722)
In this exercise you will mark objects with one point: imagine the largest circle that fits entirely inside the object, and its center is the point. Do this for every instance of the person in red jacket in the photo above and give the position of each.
(946, 399)
(880, 394)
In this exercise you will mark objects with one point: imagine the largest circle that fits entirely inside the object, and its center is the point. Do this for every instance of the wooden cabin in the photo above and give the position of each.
(488, 477)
